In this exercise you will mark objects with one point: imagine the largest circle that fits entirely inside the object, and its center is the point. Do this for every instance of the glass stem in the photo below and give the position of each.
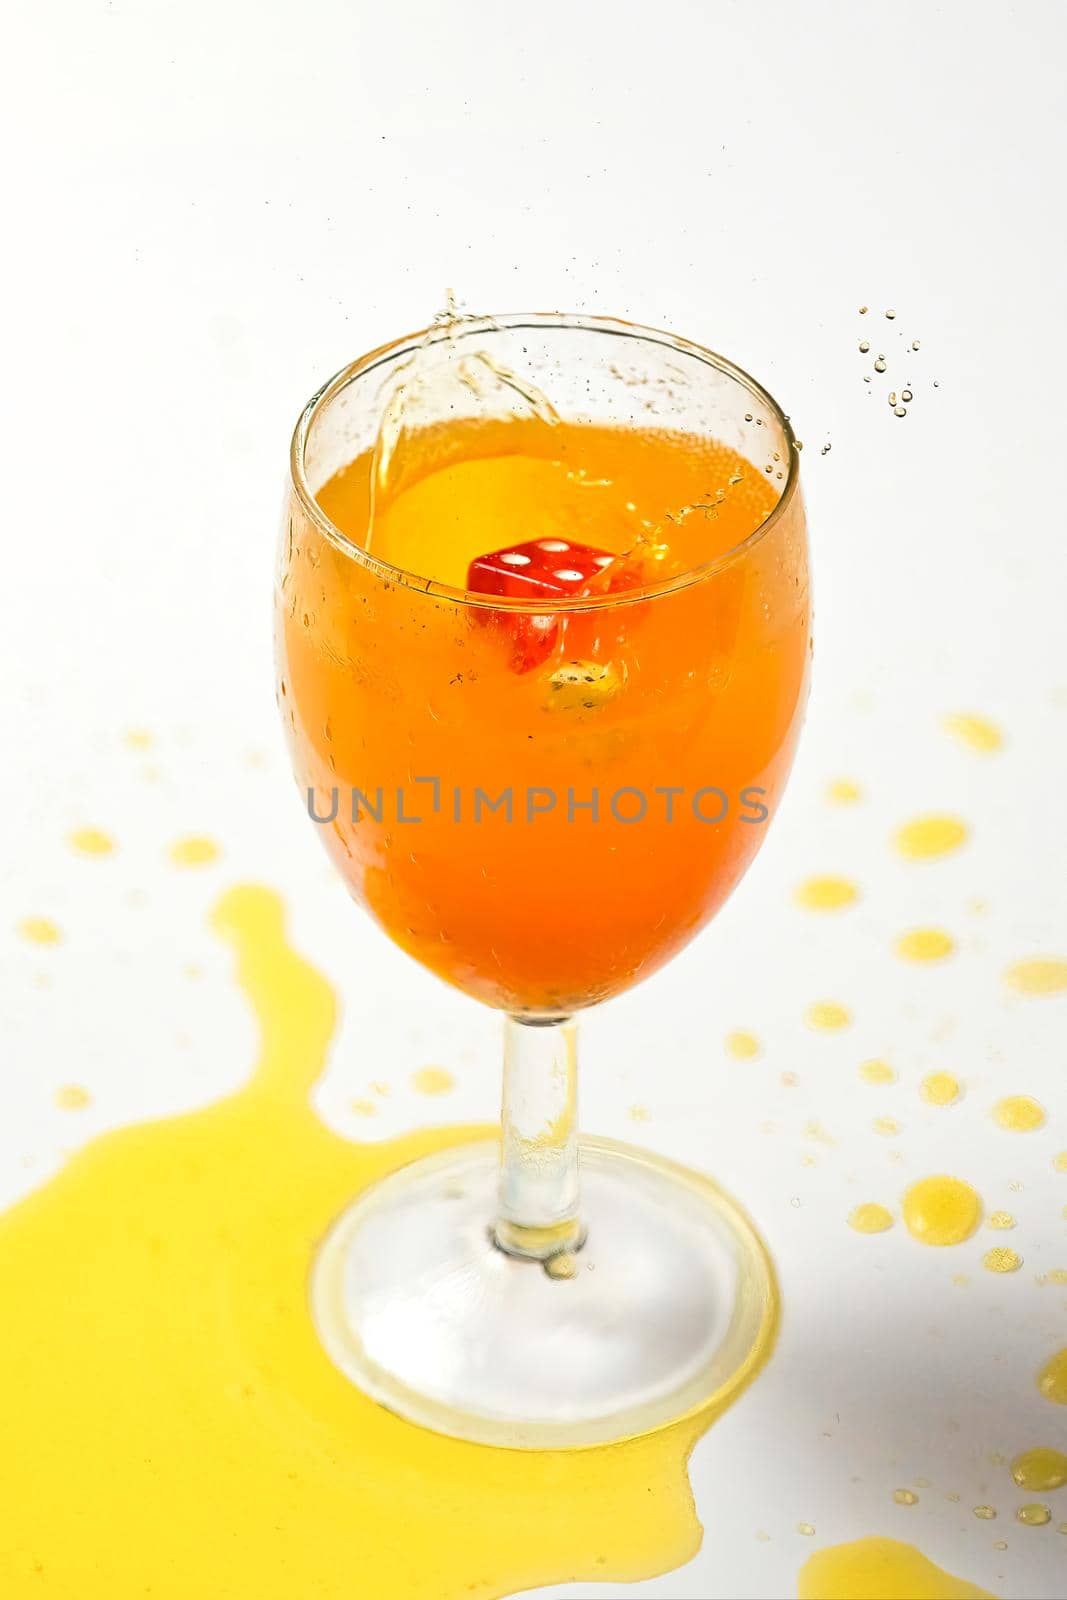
(538, 1202)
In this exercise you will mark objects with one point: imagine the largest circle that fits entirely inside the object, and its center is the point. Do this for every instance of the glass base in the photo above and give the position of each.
(667, 1306)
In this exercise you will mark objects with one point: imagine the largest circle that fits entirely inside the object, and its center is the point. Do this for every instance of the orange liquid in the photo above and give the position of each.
(702, 688)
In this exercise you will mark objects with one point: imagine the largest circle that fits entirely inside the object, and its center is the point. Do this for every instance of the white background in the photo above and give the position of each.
(211, 208)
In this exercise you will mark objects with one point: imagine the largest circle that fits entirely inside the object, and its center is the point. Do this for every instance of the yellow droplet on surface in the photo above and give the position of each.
(806, 1528)
(138, 739)
(1059, 1161)
(1052, 1379)
(827, 1016)
(1001, 1219)
(561, 1267)
(40, 930)
(741, 1045)
(1033, 1515)
(432, 1080)
(886, 1125)
(638, 1114)
(92, 842)
(826, 894)
(924, 944)
(1019, 1113)
(880, 1569)
(1038, 975)
(1002, 1259)
(877, 1072)
(940, 1089)
(870, 1217)
(364, 1108)
(1040, 1469)
(194, 851)
(977, 733)
(985, 1513)
(72, 1097)
(905, 1497)
(843, 792)
(941, 1210)
(926, 838)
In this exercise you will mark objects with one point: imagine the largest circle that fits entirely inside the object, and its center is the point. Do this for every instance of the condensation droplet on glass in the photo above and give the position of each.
(879, 364)
(865, 345)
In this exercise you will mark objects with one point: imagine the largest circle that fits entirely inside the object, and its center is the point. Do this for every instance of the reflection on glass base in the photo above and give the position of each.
(669, 1305)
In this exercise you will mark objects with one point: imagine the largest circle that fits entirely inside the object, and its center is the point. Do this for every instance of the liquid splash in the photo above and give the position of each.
(880, 1569)
(175, 1428)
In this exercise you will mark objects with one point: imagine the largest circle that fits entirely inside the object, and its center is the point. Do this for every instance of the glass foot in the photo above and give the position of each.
(668, 1305)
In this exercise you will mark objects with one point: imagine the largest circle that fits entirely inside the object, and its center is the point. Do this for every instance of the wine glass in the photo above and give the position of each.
(542, 796)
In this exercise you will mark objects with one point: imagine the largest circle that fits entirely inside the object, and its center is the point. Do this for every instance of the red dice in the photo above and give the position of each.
(539, 569)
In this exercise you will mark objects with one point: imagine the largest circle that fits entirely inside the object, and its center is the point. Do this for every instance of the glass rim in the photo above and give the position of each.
(517, 321)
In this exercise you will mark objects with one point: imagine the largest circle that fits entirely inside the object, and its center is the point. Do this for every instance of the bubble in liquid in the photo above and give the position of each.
(879, 364)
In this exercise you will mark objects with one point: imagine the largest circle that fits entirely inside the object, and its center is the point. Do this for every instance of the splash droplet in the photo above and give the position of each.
(826, 894)
(879, 364)
(432, 1080)
(743, 1046)
(843, 792)
(870, 1217)
(877, 1072)
(940, 1089)
(1039, 975)
(924, 838)
(194, 851)
(1034, 1515)
(40, 930)
(1052, 1379)
(827, 1016)
(941, 1210)
(1040, 1469)
(924, 944)
(890, 315)
(72, 1097)
(91, 842)
(1019, 1113)
(864, 346)
(977, 733)
(1002, 1260)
